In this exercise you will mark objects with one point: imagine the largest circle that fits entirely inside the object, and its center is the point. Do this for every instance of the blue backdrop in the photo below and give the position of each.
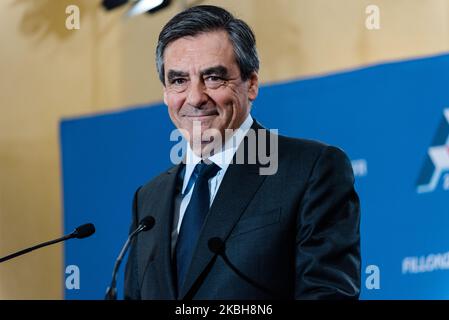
(390, 119)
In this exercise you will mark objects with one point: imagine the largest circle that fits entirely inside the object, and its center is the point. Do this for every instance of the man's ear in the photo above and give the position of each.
(253, 86)
(165, 96)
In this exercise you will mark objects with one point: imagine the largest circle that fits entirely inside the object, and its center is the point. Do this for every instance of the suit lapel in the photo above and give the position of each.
(163, 212)
(226, 210)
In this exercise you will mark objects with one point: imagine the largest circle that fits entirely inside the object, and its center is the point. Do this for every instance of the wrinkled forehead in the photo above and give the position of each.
(200, 52)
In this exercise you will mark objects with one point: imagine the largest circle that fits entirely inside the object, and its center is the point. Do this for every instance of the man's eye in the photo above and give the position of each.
(178, 81)
(214, 78)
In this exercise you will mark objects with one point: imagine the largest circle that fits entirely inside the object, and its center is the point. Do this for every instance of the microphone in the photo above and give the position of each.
(81, 232)
(145, 224)
(217, 246)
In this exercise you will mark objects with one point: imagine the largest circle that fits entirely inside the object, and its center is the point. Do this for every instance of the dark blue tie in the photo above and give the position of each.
(194, 217)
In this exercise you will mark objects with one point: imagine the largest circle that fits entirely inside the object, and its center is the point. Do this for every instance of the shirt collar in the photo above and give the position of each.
(222, 158)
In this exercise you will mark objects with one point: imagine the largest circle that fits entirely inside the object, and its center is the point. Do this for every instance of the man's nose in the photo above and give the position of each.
(196, 96)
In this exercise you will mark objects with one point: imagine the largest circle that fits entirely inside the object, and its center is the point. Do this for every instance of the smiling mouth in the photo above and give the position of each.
(202, 117)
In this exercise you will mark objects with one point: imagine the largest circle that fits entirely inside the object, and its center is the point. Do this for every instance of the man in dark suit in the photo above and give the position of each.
(231, 227)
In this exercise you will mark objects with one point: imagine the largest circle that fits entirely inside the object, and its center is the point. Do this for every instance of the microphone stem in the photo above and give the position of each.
(19, 253)
(124, 249)
(111, 293)
(118, 262)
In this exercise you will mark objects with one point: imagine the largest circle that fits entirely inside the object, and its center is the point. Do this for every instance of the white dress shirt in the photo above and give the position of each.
(221, 159)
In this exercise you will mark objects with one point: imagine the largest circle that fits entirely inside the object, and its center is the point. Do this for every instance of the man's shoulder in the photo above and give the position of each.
(293, 150)
(301, 143)
(301, 146)
(308, 150)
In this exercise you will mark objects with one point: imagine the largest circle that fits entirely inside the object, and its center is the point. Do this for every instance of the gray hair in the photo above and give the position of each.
(206, 18)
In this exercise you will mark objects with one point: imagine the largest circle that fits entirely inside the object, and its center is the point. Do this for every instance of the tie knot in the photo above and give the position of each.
(202, 172)
(206, 171)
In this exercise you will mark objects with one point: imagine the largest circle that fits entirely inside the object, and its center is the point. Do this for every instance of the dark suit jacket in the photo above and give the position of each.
(291, 235)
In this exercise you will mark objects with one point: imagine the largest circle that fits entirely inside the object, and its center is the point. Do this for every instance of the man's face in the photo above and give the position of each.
(203, 84)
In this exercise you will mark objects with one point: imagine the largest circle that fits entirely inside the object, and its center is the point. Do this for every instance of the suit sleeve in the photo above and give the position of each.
(131, 287)
(328, 233)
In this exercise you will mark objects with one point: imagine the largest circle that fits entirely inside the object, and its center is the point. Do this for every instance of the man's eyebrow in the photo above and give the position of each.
(172, 74)
(219, 71)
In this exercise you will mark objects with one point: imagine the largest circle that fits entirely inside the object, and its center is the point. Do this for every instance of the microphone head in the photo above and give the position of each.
(216, 245)
(147, 223)
(84, 231)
